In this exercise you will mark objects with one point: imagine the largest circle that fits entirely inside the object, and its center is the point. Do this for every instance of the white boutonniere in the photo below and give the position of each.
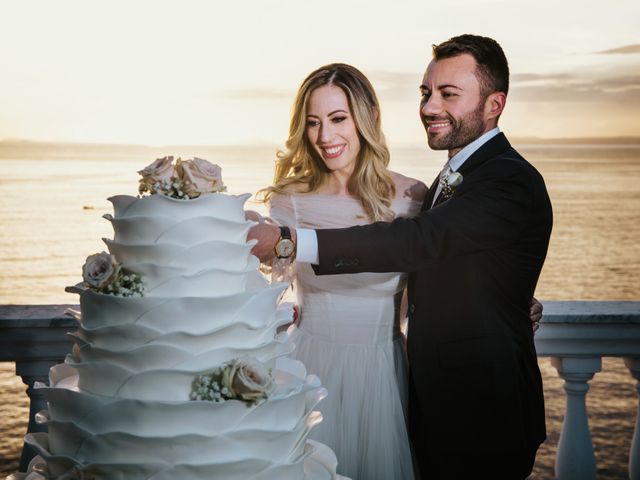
(449, 183)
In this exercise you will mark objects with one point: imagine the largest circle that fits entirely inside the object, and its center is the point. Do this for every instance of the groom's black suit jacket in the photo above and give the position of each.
(474, 261)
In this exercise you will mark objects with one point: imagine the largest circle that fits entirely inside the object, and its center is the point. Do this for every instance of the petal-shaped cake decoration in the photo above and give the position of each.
(159, 357)
(226, 207)
(56, 465)
(101, 414)
(200, 356)
(189, 314)
(207, 255)
(222, 282)
(246, 469)
(72, 441)
(129, 379)
(161, 229)
(122, 338)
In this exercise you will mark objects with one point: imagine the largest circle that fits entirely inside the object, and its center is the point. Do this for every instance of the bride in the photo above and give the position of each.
(333, 173)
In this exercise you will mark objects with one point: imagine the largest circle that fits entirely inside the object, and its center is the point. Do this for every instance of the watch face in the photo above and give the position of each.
(284, 248)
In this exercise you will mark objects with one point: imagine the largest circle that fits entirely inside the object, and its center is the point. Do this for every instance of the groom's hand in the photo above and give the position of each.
(267, 236)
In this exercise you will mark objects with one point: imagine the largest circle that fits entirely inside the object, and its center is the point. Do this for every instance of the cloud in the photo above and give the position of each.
(258, 94)
(396, 86)
(538, 77)
(390, 86)
(617, 86)
(626, 49)
(620, 86)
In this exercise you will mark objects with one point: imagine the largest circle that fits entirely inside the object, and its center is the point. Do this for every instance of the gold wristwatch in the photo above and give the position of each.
(285, 246)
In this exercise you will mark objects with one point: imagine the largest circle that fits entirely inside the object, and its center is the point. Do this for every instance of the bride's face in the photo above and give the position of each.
(331, 129)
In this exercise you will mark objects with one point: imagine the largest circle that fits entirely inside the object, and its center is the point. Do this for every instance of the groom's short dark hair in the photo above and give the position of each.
(493, 69)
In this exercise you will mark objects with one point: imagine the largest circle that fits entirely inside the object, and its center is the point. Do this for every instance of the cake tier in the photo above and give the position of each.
(190, 314)
(183, 247)
(152, 348)
(225, 207)
(175, 271)
(318, 463)
(101, 435)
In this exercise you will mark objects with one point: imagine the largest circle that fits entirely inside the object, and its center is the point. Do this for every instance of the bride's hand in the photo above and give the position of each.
(535, 314)
(296, 315)
(296, 320)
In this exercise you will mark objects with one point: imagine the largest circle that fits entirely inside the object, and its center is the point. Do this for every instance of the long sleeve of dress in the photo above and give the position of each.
(282, 211)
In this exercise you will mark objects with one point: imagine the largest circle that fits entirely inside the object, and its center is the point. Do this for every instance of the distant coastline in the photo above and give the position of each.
(19, 149)
(15, 143)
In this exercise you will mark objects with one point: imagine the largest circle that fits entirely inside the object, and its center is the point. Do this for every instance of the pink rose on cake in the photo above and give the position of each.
(245, 379)
(183, 179)
(200, 176)
(102, 273)
(158, 175)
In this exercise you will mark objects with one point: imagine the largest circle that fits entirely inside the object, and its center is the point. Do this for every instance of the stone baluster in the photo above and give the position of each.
(35, 338)
(31, 372)
(575, 459)
(633, 364)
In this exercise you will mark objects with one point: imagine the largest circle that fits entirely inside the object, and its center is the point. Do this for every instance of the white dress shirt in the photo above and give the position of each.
(307, 242)
(455, 162)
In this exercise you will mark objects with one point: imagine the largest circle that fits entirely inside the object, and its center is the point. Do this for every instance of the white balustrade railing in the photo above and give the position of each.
(575, 335)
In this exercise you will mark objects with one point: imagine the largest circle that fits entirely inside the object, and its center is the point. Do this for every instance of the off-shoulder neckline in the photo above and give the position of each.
(346, 197)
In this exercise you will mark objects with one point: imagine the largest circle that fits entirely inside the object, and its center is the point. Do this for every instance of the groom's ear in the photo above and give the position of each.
(494, 105)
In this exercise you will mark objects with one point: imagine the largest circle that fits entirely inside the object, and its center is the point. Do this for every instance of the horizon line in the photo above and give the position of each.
(13, 141)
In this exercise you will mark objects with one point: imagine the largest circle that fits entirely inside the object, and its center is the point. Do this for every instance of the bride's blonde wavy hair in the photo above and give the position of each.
(299, 168)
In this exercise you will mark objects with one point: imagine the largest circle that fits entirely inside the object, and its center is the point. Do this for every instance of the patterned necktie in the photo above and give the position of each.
(446, 171)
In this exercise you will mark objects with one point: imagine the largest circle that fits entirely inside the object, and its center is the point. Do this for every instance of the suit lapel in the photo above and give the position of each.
(426, 205)
(494, 147)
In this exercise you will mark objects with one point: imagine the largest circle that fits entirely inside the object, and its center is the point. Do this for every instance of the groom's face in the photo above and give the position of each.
(452, 107)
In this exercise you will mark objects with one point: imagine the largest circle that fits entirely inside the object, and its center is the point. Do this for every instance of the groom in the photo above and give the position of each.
(474, 254)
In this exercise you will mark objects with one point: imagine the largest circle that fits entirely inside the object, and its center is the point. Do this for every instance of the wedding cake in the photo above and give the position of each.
(179, 367)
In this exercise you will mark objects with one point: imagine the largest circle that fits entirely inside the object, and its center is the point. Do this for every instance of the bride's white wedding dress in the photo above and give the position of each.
(349, 335)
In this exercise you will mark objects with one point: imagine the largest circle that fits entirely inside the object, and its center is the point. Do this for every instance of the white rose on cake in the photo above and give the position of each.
(200, 176)
(248, 380)
(100, 270)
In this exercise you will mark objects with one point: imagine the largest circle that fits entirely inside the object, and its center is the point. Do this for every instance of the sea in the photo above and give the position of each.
(53, 196)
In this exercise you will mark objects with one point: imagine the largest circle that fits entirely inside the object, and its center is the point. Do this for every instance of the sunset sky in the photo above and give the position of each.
(207, 72)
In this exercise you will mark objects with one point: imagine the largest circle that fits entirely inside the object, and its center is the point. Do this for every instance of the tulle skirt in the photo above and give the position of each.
(364, 414)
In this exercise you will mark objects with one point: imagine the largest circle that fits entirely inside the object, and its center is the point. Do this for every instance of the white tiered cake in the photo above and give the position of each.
(127, 403)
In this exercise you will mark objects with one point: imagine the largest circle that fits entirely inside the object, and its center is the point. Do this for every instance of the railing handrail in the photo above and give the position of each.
(556, 311)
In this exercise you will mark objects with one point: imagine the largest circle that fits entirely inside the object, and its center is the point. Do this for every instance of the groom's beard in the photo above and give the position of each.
(463, 130)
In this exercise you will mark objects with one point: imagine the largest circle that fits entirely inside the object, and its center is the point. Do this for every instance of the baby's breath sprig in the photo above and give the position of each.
(127, 284)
